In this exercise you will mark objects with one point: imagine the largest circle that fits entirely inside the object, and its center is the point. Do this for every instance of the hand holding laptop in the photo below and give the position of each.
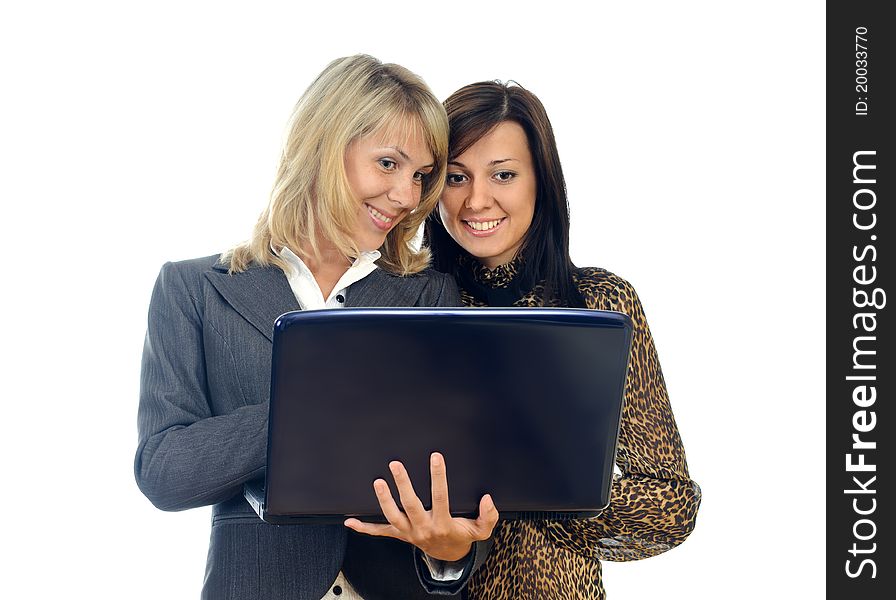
(435, 531)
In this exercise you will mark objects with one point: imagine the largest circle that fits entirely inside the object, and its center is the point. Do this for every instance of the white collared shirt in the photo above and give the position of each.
(310, 297)
(305, 287)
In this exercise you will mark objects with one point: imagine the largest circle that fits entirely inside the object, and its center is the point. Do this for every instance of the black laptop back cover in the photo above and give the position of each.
(523, 403)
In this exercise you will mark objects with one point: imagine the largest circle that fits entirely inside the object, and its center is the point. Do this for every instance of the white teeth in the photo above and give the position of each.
(378, 215)
(484, 225)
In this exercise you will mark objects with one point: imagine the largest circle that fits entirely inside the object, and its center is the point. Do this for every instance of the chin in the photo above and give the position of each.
(372, 244)
(482, 254)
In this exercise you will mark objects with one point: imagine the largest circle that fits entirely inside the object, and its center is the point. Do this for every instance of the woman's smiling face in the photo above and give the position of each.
(385, 172)
(489, 198)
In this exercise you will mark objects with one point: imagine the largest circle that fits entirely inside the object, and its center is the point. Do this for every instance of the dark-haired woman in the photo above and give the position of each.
(502, 229)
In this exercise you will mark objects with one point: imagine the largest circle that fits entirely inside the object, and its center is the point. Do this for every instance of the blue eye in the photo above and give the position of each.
(388, 164)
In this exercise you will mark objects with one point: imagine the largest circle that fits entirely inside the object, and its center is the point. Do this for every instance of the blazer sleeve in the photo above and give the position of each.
(187, 456)
(471, 564)
(654, 502)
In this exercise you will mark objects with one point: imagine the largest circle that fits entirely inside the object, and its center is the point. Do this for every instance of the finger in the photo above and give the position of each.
(441, 511)
(390, 510)
(376, 529)
(487, 519)
(480, 528)
(413, 508)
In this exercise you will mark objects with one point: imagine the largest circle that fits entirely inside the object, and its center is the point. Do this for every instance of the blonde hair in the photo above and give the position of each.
(353, 97)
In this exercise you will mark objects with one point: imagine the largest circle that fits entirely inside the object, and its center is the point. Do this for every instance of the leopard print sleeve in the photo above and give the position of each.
(653, 505)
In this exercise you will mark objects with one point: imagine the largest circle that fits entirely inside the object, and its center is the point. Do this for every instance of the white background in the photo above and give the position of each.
(692, 139)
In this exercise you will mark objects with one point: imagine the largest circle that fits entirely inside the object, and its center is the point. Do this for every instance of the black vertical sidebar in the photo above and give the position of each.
(861, 302)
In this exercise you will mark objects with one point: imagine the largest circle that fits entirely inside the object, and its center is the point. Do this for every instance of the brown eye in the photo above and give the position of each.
(505, 175)
(455, 178)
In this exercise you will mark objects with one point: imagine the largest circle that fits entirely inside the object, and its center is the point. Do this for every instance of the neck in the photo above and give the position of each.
(491, 264)
(327, 267)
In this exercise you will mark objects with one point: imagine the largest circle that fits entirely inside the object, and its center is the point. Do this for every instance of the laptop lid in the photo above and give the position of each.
(523, 403)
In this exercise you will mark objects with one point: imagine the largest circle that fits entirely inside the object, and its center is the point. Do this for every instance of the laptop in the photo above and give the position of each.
(524, 404)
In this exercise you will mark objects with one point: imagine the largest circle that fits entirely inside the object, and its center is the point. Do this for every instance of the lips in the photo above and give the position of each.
(381, 220)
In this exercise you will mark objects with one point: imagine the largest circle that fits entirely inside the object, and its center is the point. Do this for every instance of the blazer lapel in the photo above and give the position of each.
(384, 289)
(259, 294)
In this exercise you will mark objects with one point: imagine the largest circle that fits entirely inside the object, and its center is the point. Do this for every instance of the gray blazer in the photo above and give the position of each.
(203, 419)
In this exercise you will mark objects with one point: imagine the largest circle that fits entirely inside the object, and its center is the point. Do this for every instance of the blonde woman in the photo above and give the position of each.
(363, 165)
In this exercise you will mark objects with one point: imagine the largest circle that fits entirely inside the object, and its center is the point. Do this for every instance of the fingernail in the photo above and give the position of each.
(436, 459)
(395, 467)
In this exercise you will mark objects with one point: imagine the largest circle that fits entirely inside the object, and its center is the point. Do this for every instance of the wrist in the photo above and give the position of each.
(450, 554)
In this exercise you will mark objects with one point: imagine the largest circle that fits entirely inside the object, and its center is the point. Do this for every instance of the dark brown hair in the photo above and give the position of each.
(473, 112)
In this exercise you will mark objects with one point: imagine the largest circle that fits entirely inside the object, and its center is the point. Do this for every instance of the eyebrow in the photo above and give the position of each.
(406, 157)
(400, 151)
(491, 164)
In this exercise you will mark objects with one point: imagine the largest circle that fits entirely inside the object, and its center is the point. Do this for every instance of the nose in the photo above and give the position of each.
(480, 197)
(405, 194)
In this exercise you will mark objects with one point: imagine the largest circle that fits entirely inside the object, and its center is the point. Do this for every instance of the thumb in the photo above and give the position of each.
(488, 516)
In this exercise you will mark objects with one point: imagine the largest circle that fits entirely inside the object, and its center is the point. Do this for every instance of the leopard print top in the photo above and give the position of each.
(653, 504)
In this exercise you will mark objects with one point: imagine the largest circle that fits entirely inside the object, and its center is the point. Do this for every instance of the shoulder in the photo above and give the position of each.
(605, 290)
(188, 269)
(425, 288)
(428, 277)
(184, 277)
(437, 288)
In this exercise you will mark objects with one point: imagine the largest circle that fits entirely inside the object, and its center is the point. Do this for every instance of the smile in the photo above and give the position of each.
(379, 219)
(483, 227)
